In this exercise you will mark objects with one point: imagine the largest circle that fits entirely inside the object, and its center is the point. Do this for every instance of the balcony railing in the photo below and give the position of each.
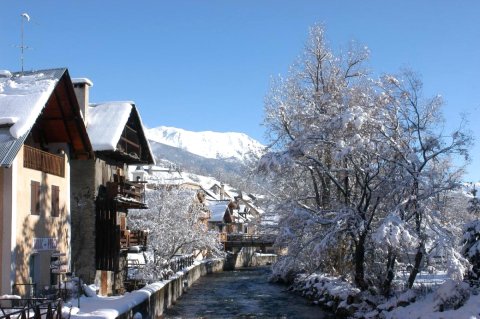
(129, 194)
(43, 161)
(129, 238)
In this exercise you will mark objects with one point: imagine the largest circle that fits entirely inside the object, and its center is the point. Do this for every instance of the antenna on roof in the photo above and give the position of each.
(24, 16)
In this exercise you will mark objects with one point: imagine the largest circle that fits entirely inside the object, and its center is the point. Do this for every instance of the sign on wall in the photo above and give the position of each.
(45, 243)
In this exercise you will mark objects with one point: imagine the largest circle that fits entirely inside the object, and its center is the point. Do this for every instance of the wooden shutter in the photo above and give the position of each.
(55, 201)
(35, 198)
(123, 222)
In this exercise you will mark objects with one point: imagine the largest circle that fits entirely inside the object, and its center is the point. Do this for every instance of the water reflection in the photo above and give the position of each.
(242, 293)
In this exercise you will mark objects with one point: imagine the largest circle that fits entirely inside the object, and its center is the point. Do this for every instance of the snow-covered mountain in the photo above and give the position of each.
(225, 146)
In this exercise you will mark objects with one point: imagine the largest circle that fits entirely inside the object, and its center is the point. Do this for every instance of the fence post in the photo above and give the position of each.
(59, 309)
(37, 314)
(49, 311)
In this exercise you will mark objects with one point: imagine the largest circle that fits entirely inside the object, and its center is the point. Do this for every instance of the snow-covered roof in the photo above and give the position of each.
(106, 122)
(218, 210)
(23, 96)
(163, 177)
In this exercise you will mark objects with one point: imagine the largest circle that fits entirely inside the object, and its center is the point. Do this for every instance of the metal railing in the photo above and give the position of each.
(43, 161)
(26, 290)
(36, 308)
(244, 240)
(167, 270)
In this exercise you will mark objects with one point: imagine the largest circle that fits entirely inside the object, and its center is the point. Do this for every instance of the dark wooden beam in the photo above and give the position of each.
(129, 142)
(80, 124)
(60, 105)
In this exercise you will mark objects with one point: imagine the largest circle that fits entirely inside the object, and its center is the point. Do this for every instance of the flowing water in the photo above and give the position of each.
(244, 293)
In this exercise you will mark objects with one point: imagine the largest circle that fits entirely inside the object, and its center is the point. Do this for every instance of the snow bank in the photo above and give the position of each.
(112, 307)
(427, 308)
(326, 291)
(452, 300)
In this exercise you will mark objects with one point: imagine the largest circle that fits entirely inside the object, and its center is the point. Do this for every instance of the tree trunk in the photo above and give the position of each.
(416, 266)
(387, 284)
(360, 263)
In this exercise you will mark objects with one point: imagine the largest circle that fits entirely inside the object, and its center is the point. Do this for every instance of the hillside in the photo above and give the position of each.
(230, 146)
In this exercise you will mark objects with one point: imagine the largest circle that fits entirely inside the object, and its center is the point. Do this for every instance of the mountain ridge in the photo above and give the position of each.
(227, 146)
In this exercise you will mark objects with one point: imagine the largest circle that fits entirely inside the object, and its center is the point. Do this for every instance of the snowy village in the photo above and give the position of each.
(360, 201)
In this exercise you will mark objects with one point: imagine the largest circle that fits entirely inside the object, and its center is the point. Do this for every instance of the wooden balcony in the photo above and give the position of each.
(127, 194)
(130, 238)
(222, 237)
(43, 161)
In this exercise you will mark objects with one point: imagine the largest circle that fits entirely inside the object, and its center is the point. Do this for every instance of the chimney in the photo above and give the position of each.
(82, 87)
(222, 191)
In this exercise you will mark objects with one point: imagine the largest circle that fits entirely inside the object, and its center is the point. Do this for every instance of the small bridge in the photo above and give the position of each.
(244, 240)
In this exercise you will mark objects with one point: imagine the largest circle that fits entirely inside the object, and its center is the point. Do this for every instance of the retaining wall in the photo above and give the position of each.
(159, 297)
(247, 257)
(162, 297)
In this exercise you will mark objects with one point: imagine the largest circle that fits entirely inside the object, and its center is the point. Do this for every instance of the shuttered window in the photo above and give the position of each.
(55, 201)
(35, 198)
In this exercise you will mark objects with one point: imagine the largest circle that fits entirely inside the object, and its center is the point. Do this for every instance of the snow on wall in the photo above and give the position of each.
(22, 99)
(105, 124)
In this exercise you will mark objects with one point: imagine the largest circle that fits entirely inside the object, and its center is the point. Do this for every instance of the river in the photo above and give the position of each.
(244, 293)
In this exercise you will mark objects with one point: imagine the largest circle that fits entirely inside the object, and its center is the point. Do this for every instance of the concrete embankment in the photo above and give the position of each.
(152, 300)
(247, 257)
(159, 298)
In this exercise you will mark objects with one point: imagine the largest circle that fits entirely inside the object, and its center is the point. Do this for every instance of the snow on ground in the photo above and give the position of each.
(425, 309)
(99, 307)
(110, 307)
(424, 279)
(447, 299)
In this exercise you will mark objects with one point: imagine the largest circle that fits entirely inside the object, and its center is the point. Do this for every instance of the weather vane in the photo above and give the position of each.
(24, 16)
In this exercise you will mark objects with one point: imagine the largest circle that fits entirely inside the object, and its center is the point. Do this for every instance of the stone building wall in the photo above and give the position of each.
(83, 193)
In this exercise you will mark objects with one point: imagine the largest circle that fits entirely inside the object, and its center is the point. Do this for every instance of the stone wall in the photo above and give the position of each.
(247, 257)
(161, 298)
(83, 194)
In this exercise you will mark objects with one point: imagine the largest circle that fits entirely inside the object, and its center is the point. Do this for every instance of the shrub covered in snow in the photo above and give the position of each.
(451, 295)
(332, 293)
(471, 247)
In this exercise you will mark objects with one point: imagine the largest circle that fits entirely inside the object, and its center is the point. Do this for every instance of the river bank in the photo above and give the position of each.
(242, 293)
(150, 301)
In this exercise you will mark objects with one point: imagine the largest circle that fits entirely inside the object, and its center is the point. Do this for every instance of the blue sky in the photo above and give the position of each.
(207, 65)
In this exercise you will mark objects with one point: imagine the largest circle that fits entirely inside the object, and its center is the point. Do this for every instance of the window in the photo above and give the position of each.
(35, 198)
(55, 201)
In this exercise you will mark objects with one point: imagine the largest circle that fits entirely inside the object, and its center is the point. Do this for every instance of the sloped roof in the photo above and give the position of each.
(23, 100)
(23, 96)
(9, 146)
(106, 122)
(218, 209)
